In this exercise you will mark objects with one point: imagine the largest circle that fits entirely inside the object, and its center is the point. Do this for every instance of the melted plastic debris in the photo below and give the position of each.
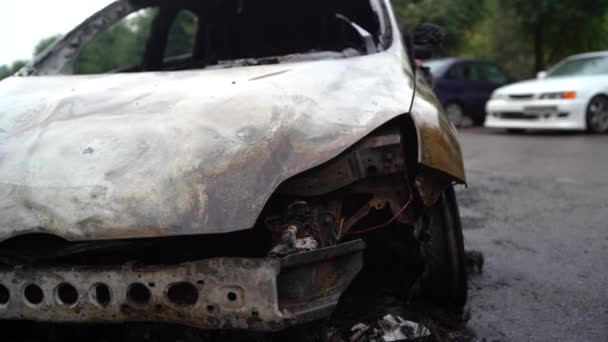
(388, 329)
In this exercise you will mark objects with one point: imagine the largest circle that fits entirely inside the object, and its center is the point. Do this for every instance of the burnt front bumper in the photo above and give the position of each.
(221, 293)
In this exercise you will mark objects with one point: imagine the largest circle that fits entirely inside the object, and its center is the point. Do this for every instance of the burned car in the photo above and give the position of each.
(291, 159)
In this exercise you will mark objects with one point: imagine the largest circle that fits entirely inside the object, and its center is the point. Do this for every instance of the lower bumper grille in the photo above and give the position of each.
(517, 116)
(530, 117)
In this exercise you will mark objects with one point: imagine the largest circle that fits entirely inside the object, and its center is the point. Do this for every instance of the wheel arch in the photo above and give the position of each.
(602, 94)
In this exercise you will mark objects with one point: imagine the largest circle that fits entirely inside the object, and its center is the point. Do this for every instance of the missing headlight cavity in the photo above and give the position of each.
(366, 186)
(182, 294)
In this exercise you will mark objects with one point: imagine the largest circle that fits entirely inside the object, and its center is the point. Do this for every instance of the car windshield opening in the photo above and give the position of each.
(163, 35)
(581, 67)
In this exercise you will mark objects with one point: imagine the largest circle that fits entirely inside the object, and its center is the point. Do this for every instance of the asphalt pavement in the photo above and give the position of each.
(537, 208)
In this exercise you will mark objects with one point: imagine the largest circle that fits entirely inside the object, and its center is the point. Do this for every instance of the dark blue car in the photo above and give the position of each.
(465, 85)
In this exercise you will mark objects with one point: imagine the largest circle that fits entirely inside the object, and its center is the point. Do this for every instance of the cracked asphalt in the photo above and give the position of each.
(537, 207)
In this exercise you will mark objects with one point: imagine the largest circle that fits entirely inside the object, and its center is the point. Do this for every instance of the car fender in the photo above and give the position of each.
(438, 146)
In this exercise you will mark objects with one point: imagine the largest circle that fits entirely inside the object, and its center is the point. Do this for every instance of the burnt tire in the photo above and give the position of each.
(445, 281)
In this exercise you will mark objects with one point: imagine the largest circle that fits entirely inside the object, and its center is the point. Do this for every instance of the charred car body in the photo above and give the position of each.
(292, 155)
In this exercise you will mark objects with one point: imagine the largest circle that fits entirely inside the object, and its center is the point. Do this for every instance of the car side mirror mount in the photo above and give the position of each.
(541, 75)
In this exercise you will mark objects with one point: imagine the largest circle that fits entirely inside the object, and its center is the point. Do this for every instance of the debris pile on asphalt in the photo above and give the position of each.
(389, 329)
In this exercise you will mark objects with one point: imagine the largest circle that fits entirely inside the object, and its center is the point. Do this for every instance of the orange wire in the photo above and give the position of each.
(369, 230)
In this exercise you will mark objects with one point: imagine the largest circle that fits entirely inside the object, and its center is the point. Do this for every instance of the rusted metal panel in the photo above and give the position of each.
(310, 284)
(438, 143)
(230, 293)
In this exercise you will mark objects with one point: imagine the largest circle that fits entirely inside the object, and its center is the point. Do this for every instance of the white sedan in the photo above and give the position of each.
(573, 95)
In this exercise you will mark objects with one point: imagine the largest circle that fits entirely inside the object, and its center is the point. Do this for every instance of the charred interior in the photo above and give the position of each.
(245, 29)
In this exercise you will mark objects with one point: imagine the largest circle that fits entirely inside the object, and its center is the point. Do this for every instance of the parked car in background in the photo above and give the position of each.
(465, 85)
(573, 95)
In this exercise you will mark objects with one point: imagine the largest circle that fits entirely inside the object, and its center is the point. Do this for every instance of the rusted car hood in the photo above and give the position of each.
(194, 152)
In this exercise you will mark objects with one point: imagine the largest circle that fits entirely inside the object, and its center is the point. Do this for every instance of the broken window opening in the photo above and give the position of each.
(182, 36)
(119, 48)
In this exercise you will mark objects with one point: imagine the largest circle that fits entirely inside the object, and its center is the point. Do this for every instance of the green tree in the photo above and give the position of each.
(182, 35)
(120, 46)
(557, 28)
(459, 19)
(6, 71)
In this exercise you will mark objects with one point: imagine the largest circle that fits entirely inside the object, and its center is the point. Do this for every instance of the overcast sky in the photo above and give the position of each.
(23, 23)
